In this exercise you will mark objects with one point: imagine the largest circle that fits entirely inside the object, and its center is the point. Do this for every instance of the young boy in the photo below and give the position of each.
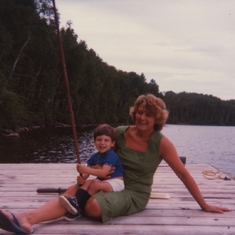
(99, 164)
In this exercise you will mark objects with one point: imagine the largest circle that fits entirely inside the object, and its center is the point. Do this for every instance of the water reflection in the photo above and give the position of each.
(47, 146)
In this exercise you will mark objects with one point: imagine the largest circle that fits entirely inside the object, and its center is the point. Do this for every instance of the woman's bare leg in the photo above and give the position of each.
(49, 211)
(92, 209)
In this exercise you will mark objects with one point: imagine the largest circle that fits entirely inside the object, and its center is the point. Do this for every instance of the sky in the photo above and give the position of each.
(184, 45)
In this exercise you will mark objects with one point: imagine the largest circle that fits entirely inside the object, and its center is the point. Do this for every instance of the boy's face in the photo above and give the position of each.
(103, 143)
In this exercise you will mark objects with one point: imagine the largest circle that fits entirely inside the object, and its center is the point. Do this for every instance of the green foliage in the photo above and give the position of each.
(32, 89)
(193, 108)
(12, 112)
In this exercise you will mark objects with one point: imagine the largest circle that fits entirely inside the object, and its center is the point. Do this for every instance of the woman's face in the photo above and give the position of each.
(143, 119)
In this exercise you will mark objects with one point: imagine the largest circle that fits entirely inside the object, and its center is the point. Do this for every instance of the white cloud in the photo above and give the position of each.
(184, 45)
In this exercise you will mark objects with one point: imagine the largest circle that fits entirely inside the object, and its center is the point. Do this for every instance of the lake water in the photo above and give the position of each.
(214, 145)
(199, 144)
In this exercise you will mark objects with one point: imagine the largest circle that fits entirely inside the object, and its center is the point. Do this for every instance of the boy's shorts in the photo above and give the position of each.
(117, 184)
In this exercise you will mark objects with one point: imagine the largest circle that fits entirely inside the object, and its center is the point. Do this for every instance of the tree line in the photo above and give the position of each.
(32, 88)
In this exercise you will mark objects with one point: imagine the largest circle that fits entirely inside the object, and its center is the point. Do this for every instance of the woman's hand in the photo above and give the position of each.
(109, 173)
(215, 209)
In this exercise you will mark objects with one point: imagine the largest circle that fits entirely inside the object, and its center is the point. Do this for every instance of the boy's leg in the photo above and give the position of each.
(87, 184)
(75, 205)
(71, 191)
(97, 186)
(89, 188)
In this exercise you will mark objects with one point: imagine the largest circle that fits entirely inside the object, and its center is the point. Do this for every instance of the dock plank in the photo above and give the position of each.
(179, 215)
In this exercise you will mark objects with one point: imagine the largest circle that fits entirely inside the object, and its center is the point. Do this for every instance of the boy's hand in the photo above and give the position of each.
(80, 180)
(81, 168)
(103, 172)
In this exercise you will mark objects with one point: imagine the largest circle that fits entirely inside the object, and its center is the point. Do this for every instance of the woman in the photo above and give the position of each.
(141, 147)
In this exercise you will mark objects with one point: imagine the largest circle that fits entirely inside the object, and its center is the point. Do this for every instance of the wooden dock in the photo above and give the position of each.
(179, 215)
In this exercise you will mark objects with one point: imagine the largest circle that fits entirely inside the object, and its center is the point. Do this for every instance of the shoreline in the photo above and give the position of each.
(16, 133)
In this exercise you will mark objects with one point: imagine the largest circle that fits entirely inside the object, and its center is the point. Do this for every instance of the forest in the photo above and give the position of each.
(32, 90)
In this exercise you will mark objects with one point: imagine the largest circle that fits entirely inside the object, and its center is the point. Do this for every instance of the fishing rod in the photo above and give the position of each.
(66, 82)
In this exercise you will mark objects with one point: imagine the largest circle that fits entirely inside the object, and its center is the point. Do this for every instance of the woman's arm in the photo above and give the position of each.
(168, 152)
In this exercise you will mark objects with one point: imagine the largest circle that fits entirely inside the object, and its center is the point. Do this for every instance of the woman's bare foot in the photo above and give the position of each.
(22, 219)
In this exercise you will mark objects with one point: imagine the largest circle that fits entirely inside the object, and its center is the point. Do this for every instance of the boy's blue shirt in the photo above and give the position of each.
(108, 158)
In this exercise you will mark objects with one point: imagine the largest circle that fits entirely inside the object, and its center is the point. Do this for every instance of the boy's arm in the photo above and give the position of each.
(101, 172)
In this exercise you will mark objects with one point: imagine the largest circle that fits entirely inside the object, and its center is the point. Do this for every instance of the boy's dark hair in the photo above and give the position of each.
(104, 129)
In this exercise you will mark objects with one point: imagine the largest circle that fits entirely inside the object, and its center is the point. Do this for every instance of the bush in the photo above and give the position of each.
(12, 112)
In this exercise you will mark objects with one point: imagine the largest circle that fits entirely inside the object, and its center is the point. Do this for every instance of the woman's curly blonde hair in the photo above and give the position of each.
(154, 106)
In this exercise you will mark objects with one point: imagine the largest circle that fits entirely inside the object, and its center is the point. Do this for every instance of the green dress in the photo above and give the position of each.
(139, 169)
